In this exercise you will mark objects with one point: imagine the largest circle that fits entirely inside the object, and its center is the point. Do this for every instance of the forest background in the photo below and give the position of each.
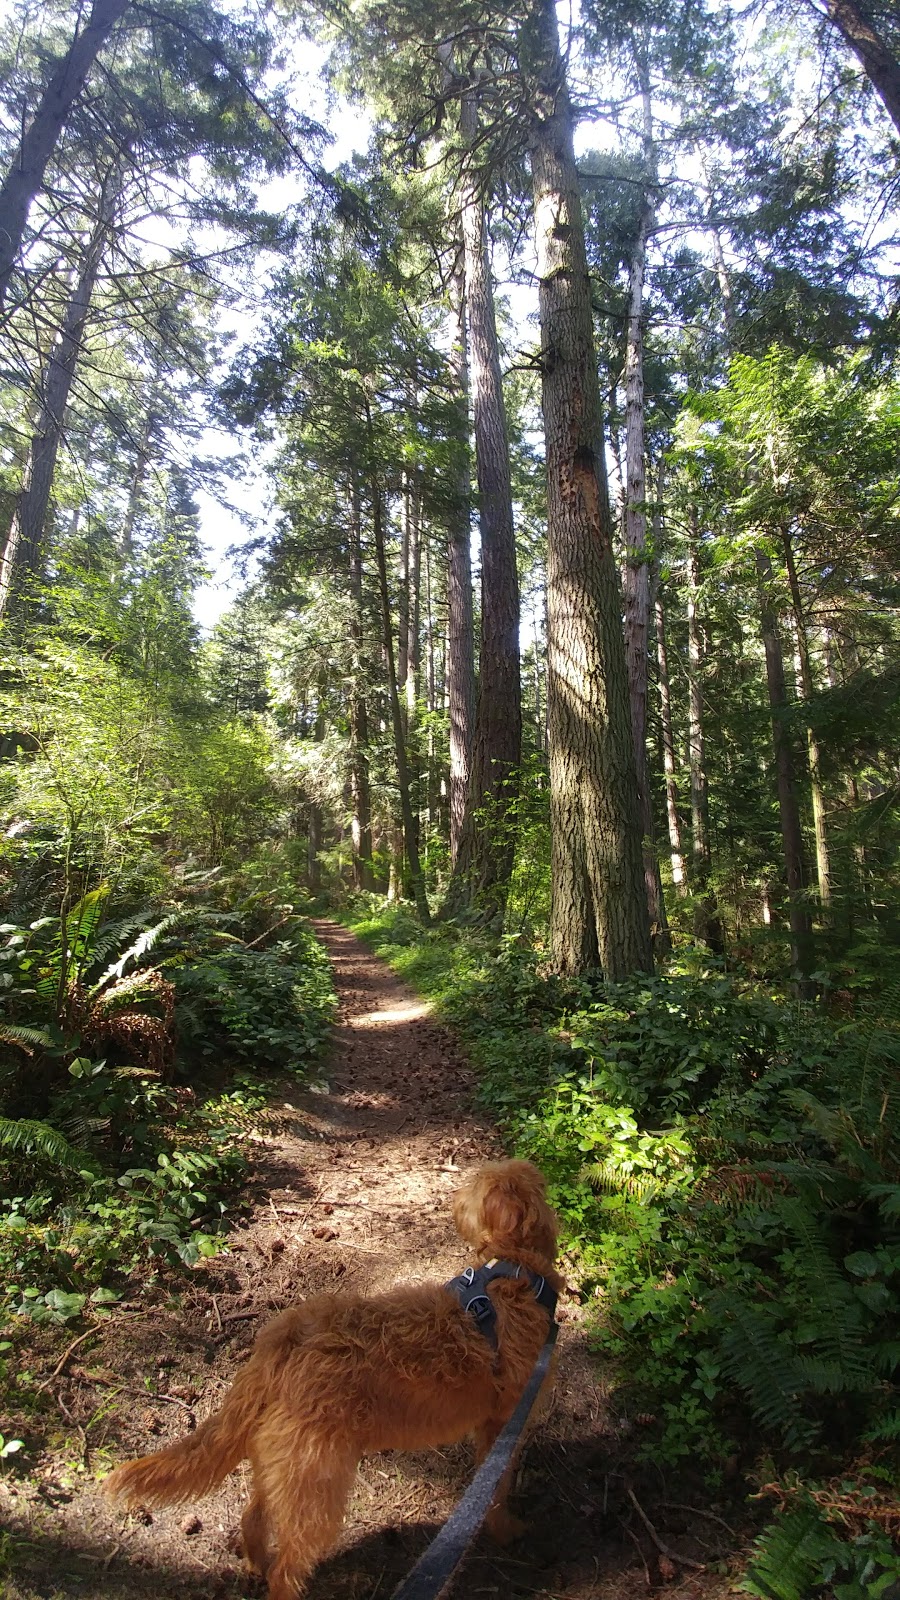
(564, 665)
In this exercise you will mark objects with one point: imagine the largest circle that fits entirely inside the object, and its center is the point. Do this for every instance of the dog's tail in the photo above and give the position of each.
(197, 1463)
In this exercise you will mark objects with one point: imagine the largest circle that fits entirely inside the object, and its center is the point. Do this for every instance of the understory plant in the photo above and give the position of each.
(138, 1050)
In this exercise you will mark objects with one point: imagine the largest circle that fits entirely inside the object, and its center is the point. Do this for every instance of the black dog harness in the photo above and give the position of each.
(470, 1289)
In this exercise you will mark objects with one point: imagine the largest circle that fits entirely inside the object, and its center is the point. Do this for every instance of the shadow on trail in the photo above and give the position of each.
(583, 1535)
(371, 1562)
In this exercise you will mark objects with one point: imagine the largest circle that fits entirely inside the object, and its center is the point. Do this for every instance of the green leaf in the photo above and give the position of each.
(64, 1304)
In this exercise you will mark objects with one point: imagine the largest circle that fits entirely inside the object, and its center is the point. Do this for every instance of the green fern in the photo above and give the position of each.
(81, 1128)
(761, 1364)
(838, 1315)
(607, 1178)
(28, 1039)
(20, 1135)
(112, 935)
(81, 925)
(142, 945)
(885, 1429)
(789, 1556)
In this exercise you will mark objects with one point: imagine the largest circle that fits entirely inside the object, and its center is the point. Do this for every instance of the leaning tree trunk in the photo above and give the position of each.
(637, 565)
(23, 554)
(599, 909)
(26, 174)
(460, 622)
(880, 62)
(706, 920)
(802, 950)
(486, 851)
(823, 857)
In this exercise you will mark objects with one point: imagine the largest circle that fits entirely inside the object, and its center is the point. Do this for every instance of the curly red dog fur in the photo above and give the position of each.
(341, 1376)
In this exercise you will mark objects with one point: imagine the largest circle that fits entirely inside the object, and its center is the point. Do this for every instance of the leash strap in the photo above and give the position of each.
(433, 1570)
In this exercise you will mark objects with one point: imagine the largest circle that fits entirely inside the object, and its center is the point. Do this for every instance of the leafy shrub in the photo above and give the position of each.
(126, 1168)
(271, 1007)
(165, 1198)
(735, 1192)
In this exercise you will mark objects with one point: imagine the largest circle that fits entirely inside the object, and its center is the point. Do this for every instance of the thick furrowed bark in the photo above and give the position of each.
(599, 901)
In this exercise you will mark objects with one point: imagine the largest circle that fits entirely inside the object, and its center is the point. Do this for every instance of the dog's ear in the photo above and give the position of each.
(467, 1214)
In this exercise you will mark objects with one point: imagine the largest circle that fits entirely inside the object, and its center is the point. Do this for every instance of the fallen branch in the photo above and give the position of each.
(108, 1322)
(70, 1351)
(637, 1545)
(140, 1394)
(663, 1548)
(698, 1511)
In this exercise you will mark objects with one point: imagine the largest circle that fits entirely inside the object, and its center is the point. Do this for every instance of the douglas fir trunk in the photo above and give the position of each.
(487, 845)
(599, 912)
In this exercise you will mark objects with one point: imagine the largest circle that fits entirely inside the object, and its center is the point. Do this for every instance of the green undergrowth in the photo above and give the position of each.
(726, 1164)
(132, 1070)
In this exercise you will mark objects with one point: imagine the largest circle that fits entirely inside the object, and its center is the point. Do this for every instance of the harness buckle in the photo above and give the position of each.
(481, 1307)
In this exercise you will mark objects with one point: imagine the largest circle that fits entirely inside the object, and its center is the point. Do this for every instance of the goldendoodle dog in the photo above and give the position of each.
(341, 1376)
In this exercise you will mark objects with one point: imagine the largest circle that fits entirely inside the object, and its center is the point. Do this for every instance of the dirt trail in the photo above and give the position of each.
(351, 1188)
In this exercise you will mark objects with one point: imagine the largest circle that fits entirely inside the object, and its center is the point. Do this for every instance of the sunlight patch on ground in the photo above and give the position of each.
(410, 1011)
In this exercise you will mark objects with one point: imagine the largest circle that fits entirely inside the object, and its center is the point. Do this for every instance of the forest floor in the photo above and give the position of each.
(351, 1188)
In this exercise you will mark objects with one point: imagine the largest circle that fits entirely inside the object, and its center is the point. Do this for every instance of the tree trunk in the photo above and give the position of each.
(403, 596)
(142, 461)
(486, 851)
(802, 950)
(836, 670)
(706, 921)
(879, 61)
(313, 846)
(361, 820)
(599, 910)
(676, 852)
(315, 820)
(410, 831)
(413, 686)
(23, 555)
(637, 567)
(460, 622)
(414, 602)
(724, 285)
(25, 176)
(807, 686)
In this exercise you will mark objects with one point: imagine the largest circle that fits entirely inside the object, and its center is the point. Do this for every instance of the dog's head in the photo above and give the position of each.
(504, 1208)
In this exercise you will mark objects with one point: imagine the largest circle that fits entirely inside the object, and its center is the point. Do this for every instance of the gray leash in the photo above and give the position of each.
(433, 1570)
